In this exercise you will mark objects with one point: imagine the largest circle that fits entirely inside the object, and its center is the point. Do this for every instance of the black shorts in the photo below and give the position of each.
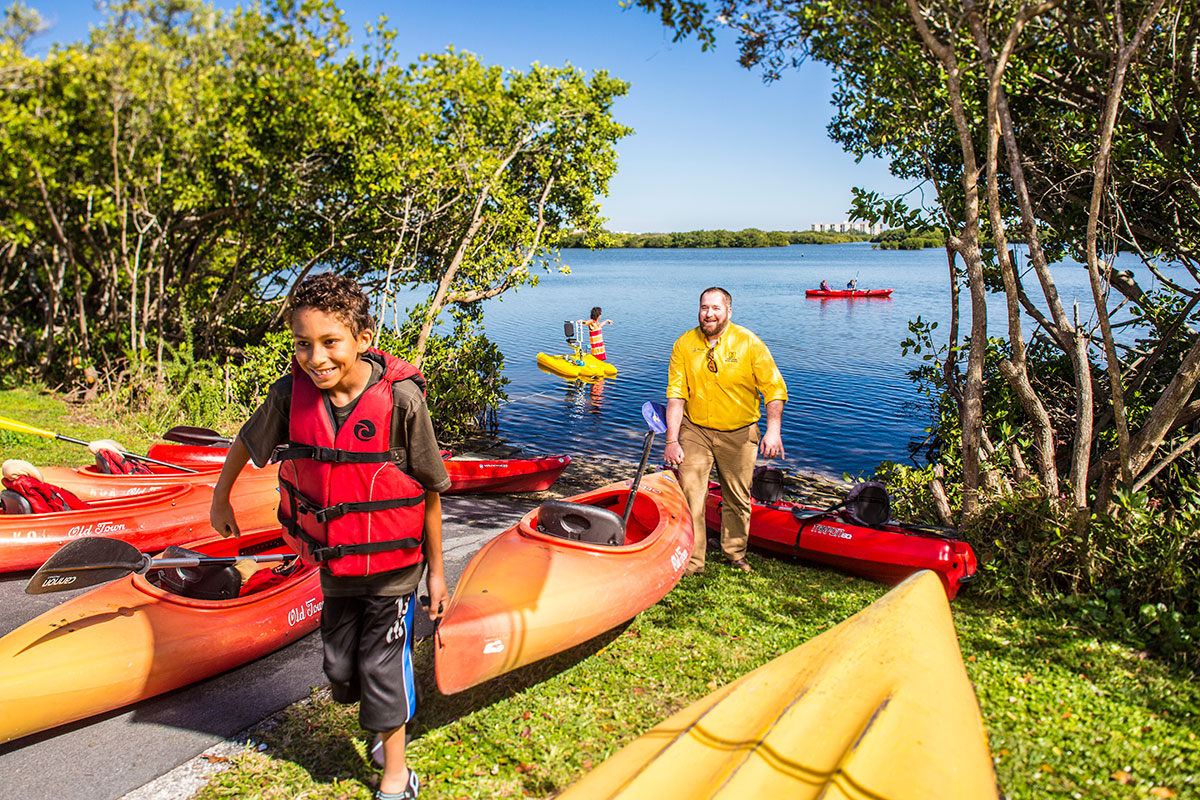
(368, 657)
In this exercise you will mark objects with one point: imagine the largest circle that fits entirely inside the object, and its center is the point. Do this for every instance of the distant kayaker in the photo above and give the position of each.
(594, 326)
(825, 286)
(852, 284)
(717, 372)
(360, 479)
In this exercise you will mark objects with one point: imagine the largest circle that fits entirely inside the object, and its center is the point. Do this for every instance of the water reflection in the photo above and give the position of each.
(585, 396)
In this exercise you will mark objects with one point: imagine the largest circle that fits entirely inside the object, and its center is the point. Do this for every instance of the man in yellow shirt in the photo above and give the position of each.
(718, 370)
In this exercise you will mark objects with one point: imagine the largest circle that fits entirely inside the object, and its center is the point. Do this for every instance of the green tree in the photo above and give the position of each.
(1064, 122)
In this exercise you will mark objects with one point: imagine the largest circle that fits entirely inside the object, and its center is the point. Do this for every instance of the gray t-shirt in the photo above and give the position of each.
(412, 437)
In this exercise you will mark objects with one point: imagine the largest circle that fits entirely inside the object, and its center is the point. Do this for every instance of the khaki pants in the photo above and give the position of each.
(734, 453)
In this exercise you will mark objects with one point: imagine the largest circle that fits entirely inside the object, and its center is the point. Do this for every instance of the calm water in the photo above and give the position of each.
(851, 404)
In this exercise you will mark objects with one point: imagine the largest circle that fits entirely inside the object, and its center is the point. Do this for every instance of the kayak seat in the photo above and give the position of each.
(264, 579)
(203, 582)
(15, 502)
(580, 522)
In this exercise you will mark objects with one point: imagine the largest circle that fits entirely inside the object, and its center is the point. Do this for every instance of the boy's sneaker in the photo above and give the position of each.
(409, 792)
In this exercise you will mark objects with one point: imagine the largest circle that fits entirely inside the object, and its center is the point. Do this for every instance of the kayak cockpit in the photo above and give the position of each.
(598, 522)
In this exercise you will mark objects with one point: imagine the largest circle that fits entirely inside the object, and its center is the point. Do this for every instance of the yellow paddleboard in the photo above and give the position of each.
(877, 708)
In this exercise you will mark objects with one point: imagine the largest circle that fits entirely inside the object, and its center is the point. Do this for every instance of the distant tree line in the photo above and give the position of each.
(749, 237)
(905, 239)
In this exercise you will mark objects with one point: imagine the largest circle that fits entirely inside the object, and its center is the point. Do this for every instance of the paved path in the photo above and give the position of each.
(108, 756)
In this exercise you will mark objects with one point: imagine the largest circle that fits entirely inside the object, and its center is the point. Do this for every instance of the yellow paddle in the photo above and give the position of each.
(19, 427)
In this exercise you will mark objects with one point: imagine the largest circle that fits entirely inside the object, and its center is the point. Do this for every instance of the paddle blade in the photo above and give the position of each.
(86, 562)
(805, 514)
(655, 416)
(189, 434)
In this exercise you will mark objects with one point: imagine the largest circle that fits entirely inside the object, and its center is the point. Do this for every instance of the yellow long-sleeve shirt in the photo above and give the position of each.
(728, 398)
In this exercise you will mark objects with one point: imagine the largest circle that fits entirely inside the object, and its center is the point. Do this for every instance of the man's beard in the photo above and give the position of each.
(711, 329)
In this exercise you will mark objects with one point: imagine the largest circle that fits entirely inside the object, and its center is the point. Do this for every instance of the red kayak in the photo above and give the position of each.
(848, 292)
(149, 521)
(888, 555)
(466, 475)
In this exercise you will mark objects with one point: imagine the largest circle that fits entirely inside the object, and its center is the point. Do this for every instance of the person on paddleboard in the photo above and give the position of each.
(360, 480)
(594, 326)
(717, 372)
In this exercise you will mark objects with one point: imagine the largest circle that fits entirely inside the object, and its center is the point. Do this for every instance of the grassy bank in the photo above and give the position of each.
(1067, 715)
(46, 410)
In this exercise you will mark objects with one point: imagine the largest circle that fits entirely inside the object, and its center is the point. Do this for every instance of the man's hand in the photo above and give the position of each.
(771, 445)
(673, 454)
(439, 598)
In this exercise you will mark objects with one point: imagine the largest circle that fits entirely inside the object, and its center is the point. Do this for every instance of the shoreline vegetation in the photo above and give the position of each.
(894, 239)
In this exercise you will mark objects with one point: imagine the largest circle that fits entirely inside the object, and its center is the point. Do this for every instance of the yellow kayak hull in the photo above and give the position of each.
(877, 708)
(585, 366)
(597, 367)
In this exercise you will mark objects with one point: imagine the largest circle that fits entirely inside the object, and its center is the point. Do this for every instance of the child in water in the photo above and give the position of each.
(594, 326)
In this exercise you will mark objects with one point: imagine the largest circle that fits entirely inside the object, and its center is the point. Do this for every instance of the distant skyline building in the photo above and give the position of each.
(847, 227)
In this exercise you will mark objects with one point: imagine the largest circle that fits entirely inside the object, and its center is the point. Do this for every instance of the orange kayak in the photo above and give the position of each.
(89, 483)
(528, 594)
(131, 639)
(149, 521)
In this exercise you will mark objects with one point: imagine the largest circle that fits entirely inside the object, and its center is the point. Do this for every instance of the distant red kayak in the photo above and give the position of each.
(887, 555)
(848, 292)
(467, 475)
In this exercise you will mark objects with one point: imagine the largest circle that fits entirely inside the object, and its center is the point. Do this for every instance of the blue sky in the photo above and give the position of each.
(714, 147)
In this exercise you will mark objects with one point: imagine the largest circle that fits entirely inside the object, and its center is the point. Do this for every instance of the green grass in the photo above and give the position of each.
(1067, 715)
(46, 410)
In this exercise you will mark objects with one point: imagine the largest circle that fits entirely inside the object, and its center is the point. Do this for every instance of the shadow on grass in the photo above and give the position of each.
(435, 709)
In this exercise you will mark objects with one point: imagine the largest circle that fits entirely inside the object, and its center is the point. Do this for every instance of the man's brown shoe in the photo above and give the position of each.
(742, 564)
(691, 570)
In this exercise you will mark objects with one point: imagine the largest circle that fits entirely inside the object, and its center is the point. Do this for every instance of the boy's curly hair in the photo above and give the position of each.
(335, 295)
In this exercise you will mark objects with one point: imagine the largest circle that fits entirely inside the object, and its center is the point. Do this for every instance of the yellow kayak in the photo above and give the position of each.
(597, 367)
(877, 708)
(585, 365)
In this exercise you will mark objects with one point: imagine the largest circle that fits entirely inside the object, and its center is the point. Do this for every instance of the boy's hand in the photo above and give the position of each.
(221, 517)
(439, 598)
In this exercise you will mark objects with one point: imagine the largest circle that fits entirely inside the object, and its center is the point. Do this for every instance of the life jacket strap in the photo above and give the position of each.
(319, 552)
(333, 455)
(303, 505)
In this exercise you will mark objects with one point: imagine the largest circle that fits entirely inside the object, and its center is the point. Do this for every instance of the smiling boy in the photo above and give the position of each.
(360, 479)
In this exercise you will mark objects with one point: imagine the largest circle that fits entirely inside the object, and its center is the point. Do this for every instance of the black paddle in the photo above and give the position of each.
(93, 560)
(655, 416)
(804, 514)
(20, 427)
(204, 437)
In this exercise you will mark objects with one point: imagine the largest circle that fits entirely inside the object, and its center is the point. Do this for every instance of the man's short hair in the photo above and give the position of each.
(335, 295)
(728, 296)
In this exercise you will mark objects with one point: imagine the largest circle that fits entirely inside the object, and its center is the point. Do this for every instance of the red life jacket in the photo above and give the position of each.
(344, 503)
(41, 497)
(112, 463)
